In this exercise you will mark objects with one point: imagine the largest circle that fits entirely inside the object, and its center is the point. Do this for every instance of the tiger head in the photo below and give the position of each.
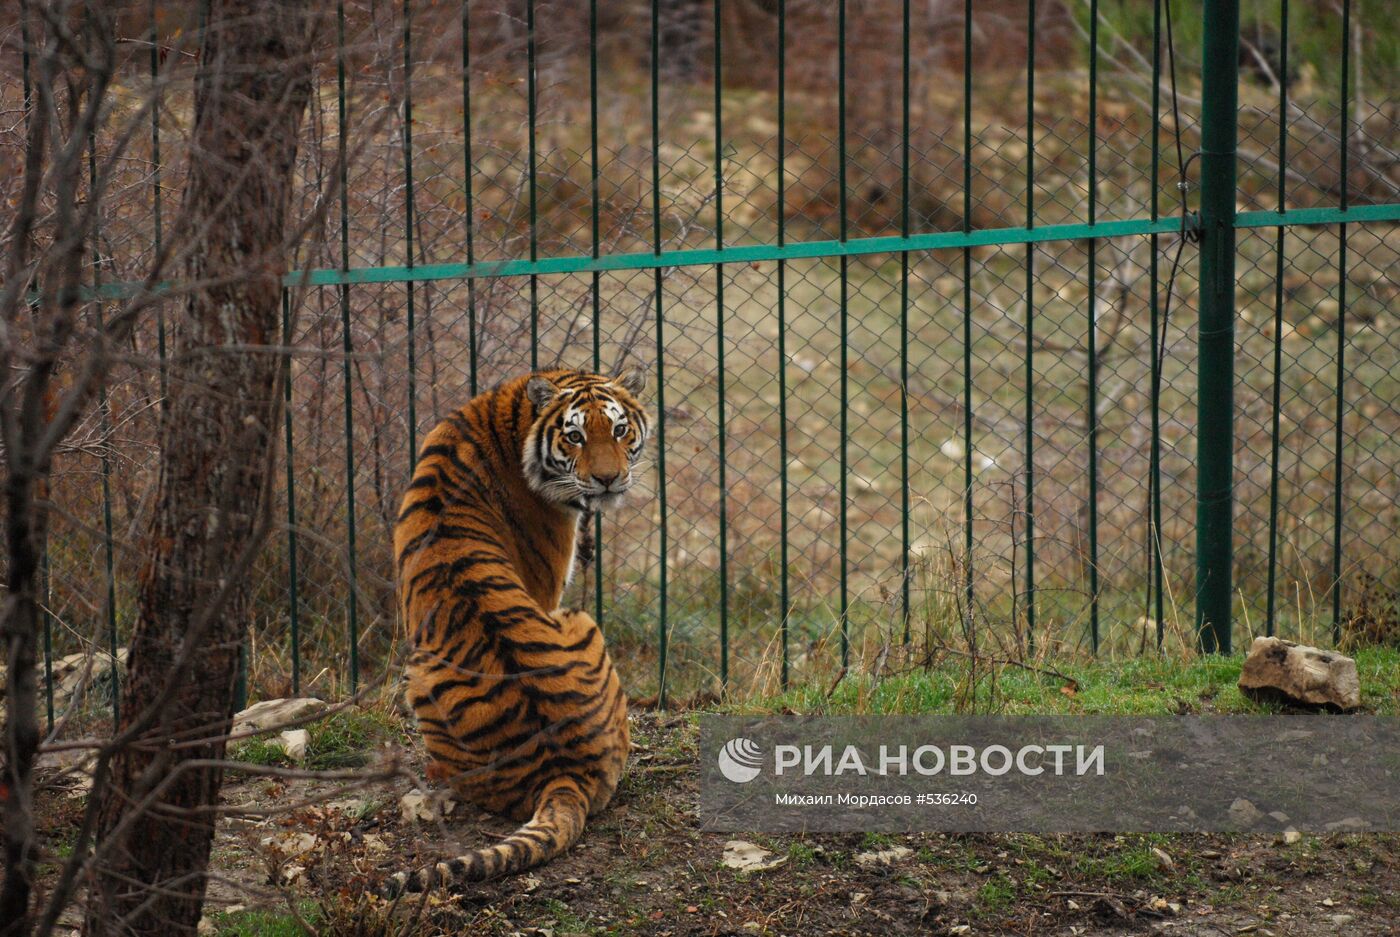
(586, 437)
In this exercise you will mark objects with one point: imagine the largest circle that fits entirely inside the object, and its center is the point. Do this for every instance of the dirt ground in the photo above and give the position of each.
(643, 868)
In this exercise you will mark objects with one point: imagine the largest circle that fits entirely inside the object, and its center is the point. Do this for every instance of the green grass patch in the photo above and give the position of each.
(801, 855)
(344, 739)
(1148, 685)
(1135, 864)
(258, 923)
(997, 895)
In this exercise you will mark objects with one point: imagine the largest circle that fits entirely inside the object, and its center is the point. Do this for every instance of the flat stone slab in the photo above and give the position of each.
(275, 713)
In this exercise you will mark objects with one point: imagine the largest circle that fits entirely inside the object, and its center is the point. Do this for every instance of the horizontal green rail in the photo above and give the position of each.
(807, 250)
(748, 253)
(803, 250)
(1315, 216)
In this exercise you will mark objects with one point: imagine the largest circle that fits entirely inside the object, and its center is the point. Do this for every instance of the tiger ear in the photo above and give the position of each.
(633, 380)
(541, 391)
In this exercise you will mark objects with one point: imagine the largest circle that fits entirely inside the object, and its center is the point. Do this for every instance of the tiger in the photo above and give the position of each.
(517, 701)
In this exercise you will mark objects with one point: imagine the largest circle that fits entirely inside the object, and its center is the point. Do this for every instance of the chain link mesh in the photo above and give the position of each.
(471, 333)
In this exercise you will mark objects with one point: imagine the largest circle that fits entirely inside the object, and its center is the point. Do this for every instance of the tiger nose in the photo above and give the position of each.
(605, 480)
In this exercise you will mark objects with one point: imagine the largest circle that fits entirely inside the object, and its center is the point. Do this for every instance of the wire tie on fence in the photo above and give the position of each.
(1191, 227)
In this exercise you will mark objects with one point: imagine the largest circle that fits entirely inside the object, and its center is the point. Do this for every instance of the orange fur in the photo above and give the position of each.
(519, 705)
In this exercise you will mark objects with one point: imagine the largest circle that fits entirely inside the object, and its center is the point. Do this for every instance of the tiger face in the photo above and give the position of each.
(586, 438)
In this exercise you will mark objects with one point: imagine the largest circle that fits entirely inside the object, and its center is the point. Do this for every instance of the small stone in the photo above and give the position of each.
(291, 845)
(1348, 825)
(1244, 814)
(416, 806)
(748, 857)
(883, 856)
(1163, 859)
(294, 743)
(1303, 676)
(1292, 837)
(1341, 920)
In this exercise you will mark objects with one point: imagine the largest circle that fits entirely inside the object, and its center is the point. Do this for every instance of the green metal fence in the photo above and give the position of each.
(1088, 351)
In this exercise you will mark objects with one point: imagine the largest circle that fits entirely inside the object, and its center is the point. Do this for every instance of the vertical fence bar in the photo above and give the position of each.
(347, 349)
(44, 573)
(104, 409)
(660, 345)
(293, 585)
(45, 585)
(968, 593)
(904, 325)
(1154, 470)
(845, 329)
(1030, 330)
(156, 206)
(1215, 378)
(1338, 486)
(468, 177)
(1092, 380)
(595, 284)
(1279, 252)
(784, 606)
(532, 105)
(408, 227)
(719, 343)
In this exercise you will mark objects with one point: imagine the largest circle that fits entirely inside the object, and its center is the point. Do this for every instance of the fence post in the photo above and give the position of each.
(1215, 380)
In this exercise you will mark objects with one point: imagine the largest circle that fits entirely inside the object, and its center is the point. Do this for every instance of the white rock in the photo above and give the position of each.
(291, 845)
(749, 857)
(294, 743)
(884, 856)
(1291, 836)
(1348, 825)
(1244, 814)
(416, 806)
(1163, 859)
(272, 713)
(1299, 674)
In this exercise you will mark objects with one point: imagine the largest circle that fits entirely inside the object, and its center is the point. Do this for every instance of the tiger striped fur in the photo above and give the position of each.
(519, 705)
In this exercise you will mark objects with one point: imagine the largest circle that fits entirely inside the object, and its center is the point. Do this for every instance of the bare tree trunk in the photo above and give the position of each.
(32, 344)
(155, 826)
(19, 627)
